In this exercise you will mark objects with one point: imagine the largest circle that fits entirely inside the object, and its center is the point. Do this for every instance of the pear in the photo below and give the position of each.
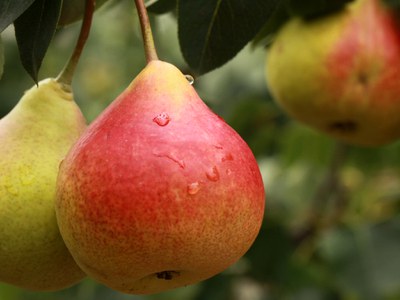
(73, 10)
(159, 192)
(34, 138)
(339, 73)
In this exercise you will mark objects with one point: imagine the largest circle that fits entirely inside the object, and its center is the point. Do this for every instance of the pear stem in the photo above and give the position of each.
(149, 47)
(67, 73)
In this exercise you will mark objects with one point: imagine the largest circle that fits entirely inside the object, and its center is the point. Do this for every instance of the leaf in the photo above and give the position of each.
(34, 30)
(278, 18)
(1, 57)
(11, 10)
(211, 32)
(314, 8)
(161, 6)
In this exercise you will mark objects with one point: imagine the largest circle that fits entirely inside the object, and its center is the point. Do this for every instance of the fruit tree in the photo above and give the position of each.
(175, 149)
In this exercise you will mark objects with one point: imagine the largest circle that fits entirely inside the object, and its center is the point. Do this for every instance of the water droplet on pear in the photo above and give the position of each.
(190, 79)
(162, 119)
(193, 188)
(213, 174)
(171, 157)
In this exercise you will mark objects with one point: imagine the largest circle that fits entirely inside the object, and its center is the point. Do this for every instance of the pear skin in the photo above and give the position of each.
(339, 73)
(159, 192)
(34, 138)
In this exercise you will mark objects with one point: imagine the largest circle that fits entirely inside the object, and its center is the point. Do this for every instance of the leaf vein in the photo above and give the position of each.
(209, 30)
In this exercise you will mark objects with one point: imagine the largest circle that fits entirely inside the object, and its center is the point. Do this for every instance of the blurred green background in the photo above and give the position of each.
(332, 223)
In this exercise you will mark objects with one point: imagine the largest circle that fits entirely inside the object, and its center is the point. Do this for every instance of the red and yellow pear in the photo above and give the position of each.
(339, 73)
(159, 192)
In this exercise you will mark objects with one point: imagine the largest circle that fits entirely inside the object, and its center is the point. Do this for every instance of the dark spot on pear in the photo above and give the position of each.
(363, 78)
(347, 126)
(167, 275)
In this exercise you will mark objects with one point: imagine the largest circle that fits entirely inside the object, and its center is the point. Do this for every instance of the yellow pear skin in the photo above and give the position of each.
(340, 73)
(34, 138)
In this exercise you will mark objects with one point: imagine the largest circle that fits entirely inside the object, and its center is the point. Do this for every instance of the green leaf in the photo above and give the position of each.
(11, 10)
(34, 30)
(161, 6)
(1, 57)
(278, 18)
(211, 32)
(314, 8)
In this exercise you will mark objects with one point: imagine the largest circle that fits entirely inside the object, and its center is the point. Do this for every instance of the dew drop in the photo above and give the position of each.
(213, 174)
(193, 188)
(162, 119)
(228, 172)
(190, 79)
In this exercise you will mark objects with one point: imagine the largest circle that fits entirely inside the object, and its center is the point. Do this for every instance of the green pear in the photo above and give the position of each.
(34, 138)
(339, 73)
(73, 10)
(159, 192)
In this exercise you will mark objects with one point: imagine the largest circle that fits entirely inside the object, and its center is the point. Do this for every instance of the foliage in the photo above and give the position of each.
(10, 10)
(210, 32)
(324, 237)
(34, 33)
